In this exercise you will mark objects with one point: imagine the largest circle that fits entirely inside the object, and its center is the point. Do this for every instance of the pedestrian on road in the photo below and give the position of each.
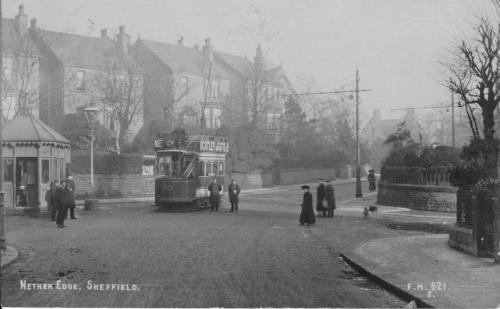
(320, 195)
(307, 213)
(330, 198)
(234, 192)
(49, 198)
(70, 197)
(59, 203)
(372, 181)
(215, 190)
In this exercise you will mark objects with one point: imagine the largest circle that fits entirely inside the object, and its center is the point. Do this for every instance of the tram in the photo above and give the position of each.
(184, 169)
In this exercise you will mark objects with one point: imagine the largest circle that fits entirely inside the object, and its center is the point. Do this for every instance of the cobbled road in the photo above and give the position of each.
(259, 257)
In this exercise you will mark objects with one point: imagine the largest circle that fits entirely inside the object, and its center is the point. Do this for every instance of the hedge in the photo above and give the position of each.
(107, 163)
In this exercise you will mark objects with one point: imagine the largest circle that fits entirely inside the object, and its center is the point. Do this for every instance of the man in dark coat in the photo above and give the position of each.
(70, 197)
(234, 192)
(59, 203)
(330, 198)
(49, 198)
(307, 213)
(214, 188)
(320, 195)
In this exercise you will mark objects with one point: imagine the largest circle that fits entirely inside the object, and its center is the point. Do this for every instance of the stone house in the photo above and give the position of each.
(376, 130)
(20, 64)
(77, 70)
(179, 81)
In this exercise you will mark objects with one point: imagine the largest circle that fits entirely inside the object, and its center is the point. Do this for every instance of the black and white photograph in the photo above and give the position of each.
(250, 153)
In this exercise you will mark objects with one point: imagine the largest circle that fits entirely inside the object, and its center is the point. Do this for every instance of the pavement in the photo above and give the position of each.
(8, 255)
(423, 267)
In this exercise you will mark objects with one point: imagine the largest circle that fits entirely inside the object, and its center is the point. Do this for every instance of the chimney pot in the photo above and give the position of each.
(104, 33)
(180, 41)
(33, 24)
(21, 9)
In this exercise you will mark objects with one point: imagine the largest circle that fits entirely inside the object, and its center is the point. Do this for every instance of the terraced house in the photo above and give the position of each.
(76, 71)
(181, 82)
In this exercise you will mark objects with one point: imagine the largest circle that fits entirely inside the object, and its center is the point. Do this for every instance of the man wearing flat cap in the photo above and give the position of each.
(307, 213)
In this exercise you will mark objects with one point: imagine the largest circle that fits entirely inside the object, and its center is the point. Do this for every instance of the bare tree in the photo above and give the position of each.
(180, 87)
(119, 85)
(474, 76)
(20, 75)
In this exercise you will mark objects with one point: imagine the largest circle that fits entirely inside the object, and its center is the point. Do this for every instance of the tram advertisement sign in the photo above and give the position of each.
(213, 145)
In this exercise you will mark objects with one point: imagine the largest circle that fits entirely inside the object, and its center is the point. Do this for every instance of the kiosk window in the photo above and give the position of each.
(45, 171)
(8, 170)
(209, 168)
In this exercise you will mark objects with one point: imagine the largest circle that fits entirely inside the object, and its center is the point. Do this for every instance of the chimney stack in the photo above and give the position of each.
(21, 20)
(208, 51)
(104, 33)
(33, 24)
(181, 41)
(196, 46)
(122, 39)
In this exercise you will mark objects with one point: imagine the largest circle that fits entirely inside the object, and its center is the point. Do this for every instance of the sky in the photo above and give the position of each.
(397, 45)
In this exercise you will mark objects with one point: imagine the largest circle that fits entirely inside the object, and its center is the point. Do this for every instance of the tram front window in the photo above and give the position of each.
(173, 164)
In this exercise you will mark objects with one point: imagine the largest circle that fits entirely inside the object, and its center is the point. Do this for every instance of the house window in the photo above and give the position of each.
(80, 80)
(214, 90)
(9, 107)
(273, 121)
(7, 68)
(183, 85)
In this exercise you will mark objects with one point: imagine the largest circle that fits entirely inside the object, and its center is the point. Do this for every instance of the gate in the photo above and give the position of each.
(486, 216)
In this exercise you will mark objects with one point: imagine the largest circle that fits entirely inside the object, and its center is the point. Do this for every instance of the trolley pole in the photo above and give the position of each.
(358, 171)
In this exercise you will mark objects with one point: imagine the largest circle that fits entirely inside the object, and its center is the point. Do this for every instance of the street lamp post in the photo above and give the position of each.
(358, 171)
(90, 113)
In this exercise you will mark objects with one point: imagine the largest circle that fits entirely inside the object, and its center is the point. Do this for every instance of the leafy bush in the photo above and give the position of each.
(412, 155)
(471, 171)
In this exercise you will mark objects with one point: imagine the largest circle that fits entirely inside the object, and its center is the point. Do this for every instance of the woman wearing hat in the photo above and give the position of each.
(372, 181)
(307, 213)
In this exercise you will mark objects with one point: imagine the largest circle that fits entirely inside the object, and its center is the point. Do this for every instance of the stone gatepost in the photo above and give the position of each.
(496, 229)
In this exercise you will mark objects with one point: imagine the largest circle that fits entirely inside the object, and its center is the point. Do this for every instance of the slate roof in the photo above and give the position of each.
(239, 64)
(12, 39)
(26, 128)
(78, 50)
(184, 59)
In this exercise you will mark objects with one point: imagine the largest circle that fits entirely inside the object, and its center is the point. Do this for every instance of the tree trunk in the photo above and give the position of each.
(489, 138)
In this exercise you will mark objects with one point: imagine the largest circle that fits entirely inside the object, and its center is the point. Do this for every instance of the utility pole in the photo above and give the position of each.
(452, 121)
(358, 171)
(2, 209)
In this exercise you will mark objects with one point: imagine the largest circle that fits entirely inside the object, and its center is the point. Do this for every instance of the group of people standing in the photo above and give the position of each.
(215, 190)
(60, 198)
(325, 202)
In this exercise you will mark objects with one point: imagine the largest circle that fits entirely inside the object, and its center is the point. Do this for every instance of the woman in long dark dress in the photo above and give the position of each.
(307, 214)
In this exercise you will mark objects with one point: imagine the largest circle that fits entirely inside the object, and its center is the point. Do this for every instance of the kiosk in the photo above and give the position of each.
(33, 155)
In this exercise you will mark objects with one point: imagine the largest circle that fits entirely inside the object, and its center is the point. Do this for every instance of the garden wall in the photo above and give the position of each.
(137, 185)
(419, 197)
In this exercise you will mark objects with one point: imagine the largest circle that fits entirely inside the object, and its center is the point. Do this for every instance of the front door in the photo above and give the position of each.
(27, 182)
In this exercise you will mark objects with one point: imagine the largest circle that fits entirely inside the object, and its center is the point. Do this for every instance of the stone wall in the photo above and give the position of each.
(114, 185)
(136, 185)
(419, 197)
